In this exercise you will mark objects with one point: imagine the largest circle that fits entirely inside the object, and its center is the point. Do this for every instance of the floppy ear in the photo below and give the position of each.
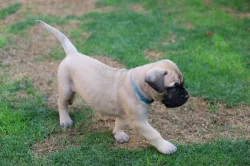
(155, 78)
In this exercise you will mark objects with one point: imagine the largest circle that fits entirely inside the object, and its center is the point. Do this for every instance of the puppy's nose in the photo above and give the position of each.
(185, 95)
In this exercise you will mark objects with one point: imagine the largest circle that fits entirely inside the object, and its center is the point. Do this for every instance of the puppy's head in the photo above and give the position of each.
(167, 83)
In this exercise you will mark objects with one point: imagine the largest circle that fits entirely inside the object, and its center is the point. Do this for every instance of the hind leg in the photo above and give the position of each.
(72, 97)
(66, 94)
(63, 101)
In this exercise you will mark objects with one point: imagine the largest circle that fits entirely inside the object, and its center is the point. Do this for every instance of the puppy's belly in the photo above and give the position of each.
(104, 104)
(104, 107)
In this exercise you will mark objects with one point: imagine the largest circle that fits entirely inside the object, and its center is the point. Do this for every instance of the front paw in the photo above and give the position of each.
(121, 137)
(167, 147)
(66, 122)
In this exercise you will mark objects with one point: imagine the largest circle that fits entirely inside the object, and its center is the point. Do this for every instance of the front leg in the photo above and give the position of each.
(119, 134)
(137, 117)
(154, 137)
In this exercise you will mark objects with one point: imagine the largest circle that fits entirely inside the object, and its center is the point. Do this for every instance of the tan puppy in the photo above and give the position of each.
(125, 94)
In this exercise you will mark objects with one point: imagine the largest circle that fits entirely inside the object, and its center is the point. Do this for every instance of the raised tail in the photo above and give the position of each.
(66, 43)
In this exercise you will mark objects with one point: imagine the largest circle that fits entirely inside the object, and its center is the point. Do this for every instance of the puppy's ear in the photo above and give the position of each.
(155, 78)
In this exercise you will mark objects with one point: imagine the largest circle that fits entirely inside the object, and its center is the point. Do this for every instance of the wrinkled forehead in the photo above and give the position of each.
(174, 74)
(172, 78)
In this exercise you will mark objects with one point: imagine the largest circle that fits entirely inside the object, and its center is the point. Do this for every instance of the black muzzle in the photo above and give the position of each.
(175, 96)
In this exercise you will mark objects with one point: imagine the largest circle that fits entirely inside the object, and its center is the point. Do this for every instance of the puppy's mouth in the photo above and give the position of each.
(175, 96)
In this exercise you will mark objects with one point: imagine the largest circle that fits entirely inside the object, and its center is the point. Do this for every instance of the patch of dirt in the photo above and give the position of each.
(235, 13)
(229, 10)
(49, 7)
(208, 2)
(232, 12)
(171, 38)
(137, 8)
(153, 55)
(109, 61)
(106, 123)
(194, 122)
(189, 25)
(56, 142)
(136, 141)
(6, 3)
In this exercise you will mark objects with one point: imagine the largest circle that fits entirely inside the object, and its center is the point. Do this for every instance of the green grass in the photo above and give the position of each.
(57, 53)
(215, 67)
(29, 22)
(3, 40)
(25, 119)
(18, 118)
(96, 149)
(243, 6)
(5, 12)
(210, 64)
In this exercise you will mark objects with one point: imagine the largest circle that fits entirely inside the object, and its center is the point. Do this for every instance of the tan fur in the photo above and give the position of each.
(109, 91)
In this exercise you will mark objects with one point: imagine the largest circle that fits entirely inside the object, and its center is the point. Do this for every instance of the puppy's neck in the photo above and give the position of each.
(138, 75)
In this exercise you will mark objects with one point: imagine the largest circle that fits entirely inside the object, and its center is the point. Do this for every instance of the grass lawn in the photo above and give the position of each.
(208, 40)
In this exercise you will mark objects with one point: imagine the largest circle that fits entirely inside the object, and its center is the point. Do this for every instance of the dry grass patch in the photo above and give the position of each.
(236, 14)
(109, 61)
(60, 7)
(137, 8)
(189, 25)
(49, 7)
(13, 17)
(171, 38)
(56, 142)
(229, 10)
(153, 55)
(195, 122)
(208, 2)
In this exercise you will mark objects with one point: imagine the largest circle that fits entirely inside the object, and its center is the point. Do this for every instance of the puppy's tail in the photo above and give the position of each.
(66, 43)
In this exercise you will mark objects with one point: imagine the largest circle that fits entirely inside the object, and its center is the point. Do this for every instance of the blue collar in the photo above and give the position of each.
(142, 98)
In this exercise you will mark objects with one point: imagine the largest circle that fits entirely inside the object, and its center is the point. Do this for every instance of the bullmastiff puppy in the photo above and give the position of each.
(125, 94)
